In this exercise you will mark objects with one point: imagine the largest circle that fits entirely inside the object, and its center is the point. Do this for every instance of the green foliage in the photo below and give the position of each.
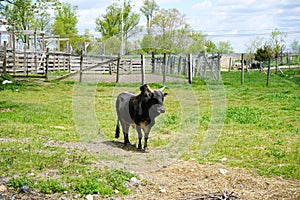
(148, 9)
(105, 183)
(211, 47)
(277, 41)
(243, 114)
(263, 54)
(26, 15)
(50, 186)
(5, 77)
(65, 24)
(117, 178)
(19, 182)
(110, 24)
(224, 47)
(90, 185)
(295, 46)
(14, 86)
(20, 13)
(112, 45)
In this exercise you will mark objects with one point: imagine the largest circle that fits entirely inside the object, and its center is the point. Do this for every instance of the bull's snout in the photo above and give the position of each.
(161, 109)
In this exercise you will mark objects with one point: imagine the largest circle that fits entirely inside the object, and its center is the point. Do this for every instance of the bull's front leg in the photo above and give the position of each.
(146, 135)
(140, 135)
(145, 144)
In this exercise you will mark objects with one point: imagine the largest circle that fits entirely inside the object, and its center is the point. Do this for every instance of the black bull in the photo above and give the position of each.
(140, 110)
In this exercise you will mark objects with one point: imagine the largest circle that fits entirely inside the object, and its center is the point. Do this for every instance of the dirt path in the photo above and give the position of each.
(190, 180)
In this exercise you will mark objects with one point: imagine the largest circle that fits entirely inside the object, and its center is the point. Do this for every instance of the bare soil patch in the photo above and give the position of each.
(190, 180)
(126, 78)
(186, 180)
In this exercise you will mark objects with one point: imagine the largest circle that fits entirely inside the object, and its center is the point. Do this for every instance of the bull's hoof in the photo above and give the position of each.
(140, 148)
(126, 145)
(146, 149)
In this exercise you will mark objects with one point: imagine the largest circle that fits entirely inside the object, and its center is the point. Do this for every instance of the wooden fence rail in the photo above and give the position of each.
(45, 63)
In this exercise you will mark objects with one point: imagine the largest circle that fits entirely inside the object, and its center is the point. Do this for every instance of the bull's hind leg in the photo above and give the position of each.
(125, 133)
(140, 135)
(126, 139)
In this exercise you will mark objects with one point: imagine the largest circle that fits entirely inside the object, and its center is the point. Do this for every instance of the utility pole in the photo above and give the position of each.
(122, 31)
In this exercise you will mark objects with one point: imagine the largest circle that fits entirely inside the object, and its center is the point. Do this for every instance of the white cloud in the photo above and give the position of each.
(234, 17)
(206, 4)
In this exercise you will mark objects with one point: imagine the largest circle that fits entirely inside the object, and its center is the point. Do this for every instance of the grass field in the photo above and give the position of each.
(261, 131)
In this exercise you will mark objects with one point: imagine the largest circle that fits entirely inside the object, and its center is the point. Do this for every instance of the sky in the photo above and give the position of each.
(238, 21)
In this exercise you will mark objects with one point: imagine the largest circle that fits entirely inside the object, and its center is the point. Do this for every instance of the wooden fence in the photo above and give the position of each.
(45, 63)
(42, 64)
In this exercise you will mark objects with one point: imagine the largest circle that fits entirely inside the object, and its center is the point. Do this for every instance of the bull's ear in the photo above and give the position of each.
(143, 88)
(166, 94)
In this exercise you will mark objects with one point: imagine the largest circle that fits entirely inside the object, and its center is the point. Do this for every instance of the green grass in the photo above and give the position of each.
(261, 130)
(36, 121)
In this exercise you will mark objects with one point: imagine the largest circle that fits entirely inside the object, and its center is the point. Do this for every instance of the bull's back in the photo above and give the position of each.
(122, 106)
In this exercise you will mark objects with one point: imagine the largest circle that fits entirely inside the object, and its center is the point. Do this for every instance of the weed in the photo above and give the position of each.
(50, 186)
(243, 114)
(19, 182)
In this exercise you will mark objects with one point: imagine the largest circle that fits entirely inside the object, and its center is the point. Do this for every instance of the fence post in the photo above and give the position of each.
(14, 49)
(269, 72)
(164, 67)
(190, 68)
(130, 66)
(143, 68)
(153, 62)
(242, 72)
(118, 68)
(179, 65)
(25, 63)
(4, 57)
(47, 63)
(35, 52)
(81, 65)
(229, 68)
(168, 63)
(219, 67)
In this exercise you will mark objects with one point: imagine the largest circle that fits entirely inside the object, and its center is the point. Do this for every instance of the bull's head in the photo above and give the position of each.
(155, 99)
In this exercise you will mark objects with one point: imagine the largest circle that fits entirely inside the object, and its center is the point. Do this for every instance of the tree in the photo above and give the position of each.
(224, 47)
(166, 23)
(197, 43)
(211, 47)
(42, 22)
(295, 47)
(148, 43)
(264, 53)
(148, 10)
(277, 41)
(252, 47)
(65, 21)
(22, 15)
(19, 15)
(119, 21)
(65, 25)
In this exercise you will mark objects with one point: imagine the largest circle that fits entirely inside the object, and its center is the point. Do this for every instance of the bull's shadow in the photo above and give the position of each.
(120, 144)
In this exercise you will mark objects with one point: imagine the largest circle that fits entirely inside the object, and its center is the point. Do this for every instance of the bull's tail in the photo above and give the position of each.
(117, 135)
